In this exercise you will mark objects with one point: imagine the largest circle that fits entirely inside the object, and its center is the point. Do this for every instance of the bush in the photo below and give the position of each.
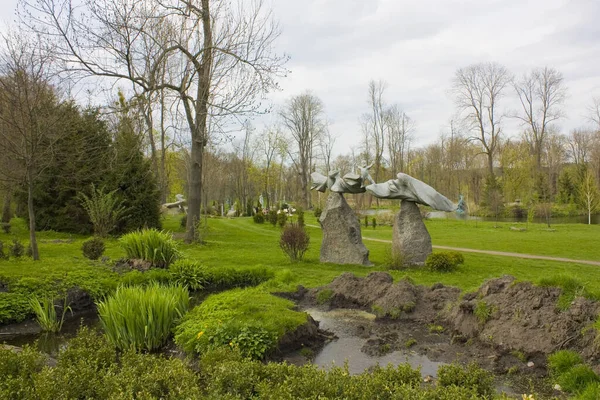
(103, 208)
(281, 218)
(3, 255)
(150, 245)
(456, 257)
(483, 311)
(259, 217)
(374, 222)
(318, 212)
(93, 248)
(5, 227)
(17, 250)
(142, 317)
(300, 213)
(189, 274)
(227, 278)
(577, 378)
(272, 217)
(471, 376)
(294, 242)
(183, 222)
(442, 262)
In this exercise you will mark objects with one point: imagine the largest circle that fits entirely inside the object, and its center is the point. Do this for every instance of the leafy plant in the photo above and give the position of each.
(374, 222)
(324, 296)
(151, 245)
(142, 317)
(300, 213)
(259, 217)
(17, 250)
(281, 218)
(93, 248)
(103, 208)
(272, 217)
(318, 211)
(561, 361)
(294, 241)
(45, 312)
(471, 376)
(577, 378)
(5, 227)
(483, 311)
(188, 273)
(442, 262)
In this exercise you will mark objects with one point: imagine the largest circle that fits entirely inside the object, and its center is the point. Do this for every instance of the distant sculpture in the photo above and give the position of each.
(179, 203)
(461, 207)
(405, 187)
(350, 183)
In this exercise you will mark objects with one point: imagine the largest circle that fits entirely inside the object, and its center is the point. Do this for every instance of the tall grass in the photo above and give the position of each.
(150, 245)
(142, 317)
(45, 313)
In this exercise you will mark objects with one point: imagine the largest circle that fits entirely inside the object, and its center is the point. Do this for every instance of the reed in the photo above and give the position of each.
(151, 245)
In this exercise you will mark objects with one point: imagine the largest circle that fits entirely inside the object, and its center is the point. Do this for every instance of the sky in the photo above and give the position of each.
(337, 46)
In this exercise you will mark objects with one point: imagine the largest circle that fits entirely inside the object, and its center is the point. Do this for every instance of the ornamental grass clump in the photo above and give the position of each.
(151, 245)
(141, 318)
(46, 316)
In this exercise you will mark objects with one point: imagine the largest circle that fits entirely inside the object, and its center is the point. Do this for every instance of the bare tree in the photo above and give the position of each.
(477, 91)
(375, 123)
(29, 117)
(594, 113)
(400, 131)
(269, 143)
(326, 143)
(542, 93)
(219, 53)
(303, 116)
(579, 142)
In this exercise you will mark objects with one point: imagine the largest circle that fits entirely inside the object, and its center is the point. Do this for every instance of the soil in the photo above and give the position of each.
(507, 327)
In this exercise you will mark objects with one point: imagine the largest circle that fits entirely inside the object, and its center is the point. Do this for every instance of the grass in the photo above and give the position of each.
(142, 317)
(45, 313)
(156, 247)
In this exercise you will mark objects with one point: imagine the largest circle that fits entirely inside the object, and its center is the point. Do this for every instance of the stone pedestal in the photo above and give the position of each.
(410, 241)
(342, 240)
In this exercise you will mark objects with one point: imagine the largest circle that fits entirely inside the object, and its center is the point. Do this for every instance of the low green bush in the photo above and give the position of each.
(472, 376)
(577, 378)
(249, 320)
(142, 317)
(483, 311)
(300, 214)
(188, 273)
(281, 218)
(318, 212)
(138, 278)
(150, 245)
(442, 262)
(227, 278)
(272, 217)
(294, 241)
(17, 250)
(259, 217)
(93, 248)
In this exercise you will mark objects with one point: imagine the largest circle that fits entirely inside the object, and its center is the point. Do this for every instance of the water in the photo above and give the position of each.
(346, 324)
(581, 219)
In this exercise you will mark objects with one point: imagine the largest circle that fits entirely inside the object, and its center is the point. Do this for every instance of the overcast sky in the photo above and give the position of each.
(337, 46)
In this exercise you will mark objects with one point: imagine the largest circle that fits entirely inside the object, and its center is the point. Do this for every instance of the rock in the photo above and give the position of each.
(530, 364)
(342, 240)
(557, 387)
(411, 241)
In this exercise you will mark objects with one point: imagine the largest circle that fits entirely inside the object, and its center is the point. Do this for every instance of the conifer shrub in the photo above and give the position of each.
(272, 217)
(300, 213)
(259, 217)
(93, 248)
(294, 241)
(142, 318)
(17, 250)
(281, 218)
(154, 246)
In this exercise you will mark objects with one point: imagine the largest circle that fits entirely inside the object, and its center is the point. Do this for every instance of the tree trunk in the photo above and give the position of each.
(6, 214)
(32, 239)
(490, 163)
(195, 190)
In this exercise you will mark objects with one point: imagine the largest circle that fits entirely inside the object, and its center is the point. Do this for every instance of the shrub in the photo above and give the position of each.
(294, 242)
(471, 376)
(366, 221)
(272, 217)
(189, 274)
(577, 378)
(45, 312)
(17, 250)
(5, 227)
(374, 222)
(259, 217)
(281, 218)
(3, 255)
(93, 248)
(563, 360)
(300, 213)
(103, 208)
(142, 317)
(456, 257)
(150, 245)
(183, 222)
(441, 262)
(227, 278)
(318, 212)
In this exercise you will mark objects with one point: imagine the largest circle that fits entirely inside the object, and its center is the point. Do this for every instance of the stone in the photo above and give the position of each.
(410, 241)
(342, 240)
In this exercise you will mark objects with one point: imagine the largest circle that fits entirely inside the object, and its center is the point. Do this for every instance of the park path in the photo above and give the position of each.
(496, 253)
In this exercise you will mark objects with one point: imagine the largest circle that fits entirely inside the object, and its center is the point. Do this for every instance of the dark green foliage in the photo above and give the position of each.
(444, 261)
(366, 221)
(300, 213)
(472, 376)
(93, 248)
(374, 222)
(183, 222)
(17, 250)
(249, 207)
(259, 217)
(5, 227)
(272, 217)
(318, 212)
(294, 241)
(281, 218)
(3, 254)
(227, 278)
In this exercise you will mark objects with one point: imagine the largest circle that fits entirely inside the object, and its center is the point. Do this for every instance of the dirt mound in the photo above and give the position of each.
(378, 293)
(521, 316)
